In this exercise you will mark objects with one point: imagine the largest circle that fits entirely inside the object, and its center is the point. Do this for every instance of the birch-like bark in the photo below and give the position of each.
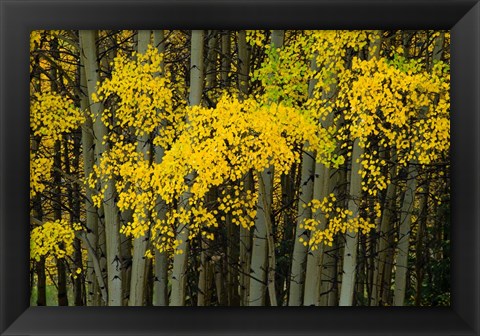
(321, 189)
(178, 279)
(91, 217)
(263, 252)
(331, 261)
(401, 265)
(112, 234)
(299, 258)
(313, 272)
(259, 263)
(351, 238)
(232, 261)
(139, 262)
(160, 270)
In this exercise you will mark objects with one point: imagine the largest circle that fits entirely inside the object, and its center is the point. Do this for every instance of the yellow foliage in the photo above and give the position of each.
(53, 238)
(51, 115)
(338, 221)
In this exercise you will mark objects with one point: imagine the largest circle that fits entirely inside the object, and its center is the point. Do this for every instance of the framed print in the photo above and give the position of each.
(240, 167)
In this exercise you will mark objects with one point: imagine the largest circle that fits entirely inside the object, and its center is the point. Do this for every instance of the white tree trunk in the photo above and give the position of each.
(351, 238)
(401, 265)
(321, 177)
(88, 162)
(160, 285)
(138, 277)
(259, 263)
(299, 258)
(263, 265)
(114, 282)
(178, 279)
(313, 272)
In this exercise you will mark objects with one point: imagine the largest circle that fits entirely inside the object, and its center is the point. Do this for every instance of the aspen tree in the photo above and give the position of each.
(112, 230)
(245, 234)
(160, 286)
(263, 253)
(178, 277)
(138, 280)
(401, 265)
(309, 173)
(351, 238)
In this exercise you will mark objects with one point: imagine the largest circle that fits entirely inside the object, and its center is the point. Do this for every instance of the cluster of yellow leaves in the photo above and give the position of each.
(400, 103)
(239, 204)
(144, 99)
(284, 74)
(373, 179)
(256, 37)
(53, 238)
(338, 220)
(223, 143)
(329, 49)
(40, 171)
(198, 219)
(219, 146)
(51, 115)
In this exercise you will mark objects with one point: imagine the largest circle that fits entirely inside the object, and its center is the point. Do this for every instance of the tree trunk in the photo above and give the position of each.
(73, 192)
(401, 265)
(420, 246)
(259, 263)
(322, 187)
(112, 234)
(160, 285)
(351, 238)
(40, 264)
(245, 234)
(91, 216)
(315, 258)
(126, 257)
(233, 236)
(263, 252)
(61, 267)
(297, 275)
(211, 70)
(180, 259)
(384, 248)
(245, 251)
(226, 58)
(139, 262)
(243, 64)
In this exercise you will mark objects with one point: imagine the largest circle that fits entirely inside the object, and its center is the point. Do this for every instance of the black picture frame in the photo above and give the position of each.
(19, 17)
